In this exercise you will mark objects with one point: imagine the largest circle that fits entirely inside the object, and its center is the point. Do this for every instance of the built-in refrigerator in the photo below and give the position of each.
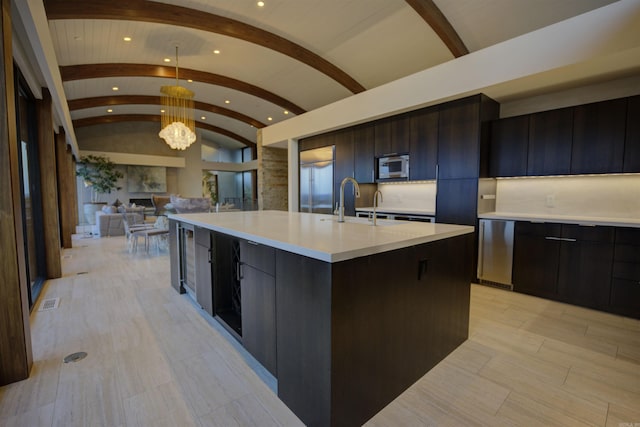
(316, 180)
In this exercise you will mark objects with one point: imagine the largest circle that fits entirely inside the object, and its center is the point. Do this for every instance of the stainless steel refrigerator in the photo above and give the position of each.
(316, 180)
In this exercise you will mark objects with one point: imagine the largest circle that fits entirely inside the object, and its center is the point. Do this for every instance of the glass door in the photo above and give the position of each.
(30, 188)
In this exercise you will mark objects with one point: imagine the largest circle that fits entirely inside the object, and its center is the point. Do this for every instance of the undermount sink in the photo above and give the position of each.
(364, 221)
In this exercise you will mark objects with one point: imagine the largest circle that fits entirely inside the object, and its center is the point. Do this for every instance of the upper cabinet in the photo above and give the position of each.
(423, 144)
(458, 137)
(550, 134)
(392, 135)
(598, 137)
(632, 140)
(364, 153)
(602, 137)
(509, 146)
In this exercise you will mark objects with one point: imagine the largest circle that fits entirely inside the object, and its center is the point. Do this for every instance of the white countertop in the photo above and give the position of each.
(321, 236)
(564, 219)
(397, 211)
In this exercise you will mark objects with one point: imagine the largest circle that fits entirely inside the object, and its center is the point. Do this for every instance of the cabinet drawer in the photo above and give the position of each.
(625, 297)
(626, 270)
(588, 234)
(628, 236)
(627, 253)
(539, 229)
(258, 256)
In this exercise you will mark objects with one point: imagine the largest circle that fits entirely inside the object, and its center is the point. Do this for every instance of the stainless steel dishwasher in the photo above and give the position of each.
(495, 252)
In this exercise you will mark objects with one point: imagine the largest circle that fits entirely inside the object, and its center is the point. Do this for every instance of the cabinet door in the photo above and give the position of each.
(400, 130)
(550, 134)
(423, 144)
(382, 135)
(535, 258)
(316, 141)
(459, 139)
(632, 140)
(456, 201)
(364, 153)
(508, 147)
(598, 137)
(584, 273)
(344, 167)
(204, 286)
(258, 292)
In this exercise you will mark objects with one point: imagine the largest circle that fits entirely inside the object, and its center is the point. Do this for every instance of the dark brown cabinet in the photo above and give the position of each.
(423, 144)
(456, 201)
(550, 135)
(625, 283)
(344, 167)
(258, 291)
(400, 131)
(564, 262)
(584, 273)
(536, 258)
(204, 277)
(509, 147)
(632, 140)
(459, 139)
(598, 137)
(317, 141)
(364, 153)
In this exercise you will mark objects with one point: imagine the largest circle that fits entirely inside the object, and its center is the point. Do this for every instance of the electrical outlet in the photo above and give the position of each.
(551, 201)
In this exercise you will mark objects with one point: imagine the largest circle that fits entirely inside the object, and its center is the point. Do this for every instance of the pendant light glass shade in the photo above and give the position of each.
(177, 123)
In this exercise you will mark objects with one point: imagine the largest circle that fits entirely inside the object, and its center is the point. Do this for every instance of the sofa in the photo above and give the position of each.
(109, 223)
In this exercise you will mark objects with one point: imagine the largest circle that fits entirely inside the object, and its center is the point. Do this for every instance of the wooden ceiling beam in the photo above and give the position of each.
(119, 118)
(162, 13)
(428, 10)
(95, 71)
(103, 101)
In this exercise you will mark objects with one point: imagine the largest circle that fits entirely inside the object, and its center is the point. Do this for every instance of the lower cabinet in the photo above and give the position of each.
(625, 284)
(594, 267)
(258, 296)
(586, 259)
(536, 259)
(204, 277)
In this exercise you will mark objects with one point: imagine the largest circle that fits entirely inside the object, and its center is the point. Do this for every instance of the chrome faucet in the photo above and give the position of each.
(375, 204)
(342, 184)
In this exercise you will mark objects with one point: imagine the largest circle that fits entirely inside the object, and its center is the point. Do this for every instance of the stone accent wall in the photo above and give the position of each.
(273, 179)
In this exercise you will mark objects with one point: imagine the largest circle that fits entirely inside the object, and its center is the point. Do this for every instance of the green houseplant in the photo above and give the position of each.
(101, 176)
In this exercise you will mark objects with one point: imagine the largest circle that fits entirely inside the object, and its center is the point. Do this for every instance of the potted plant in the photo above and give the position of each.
(101, 176)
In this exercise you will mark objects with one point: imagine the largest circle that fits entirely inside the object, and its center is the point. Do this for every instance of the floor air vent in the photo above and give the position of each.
(49, 304)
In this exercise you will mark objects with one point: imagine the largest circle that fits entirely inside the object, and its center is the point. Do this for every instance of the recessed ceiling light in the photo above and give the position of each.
(226, 101)
(162, 111)
(109, 110)
(216, 51)
(190, 81)
(115, 88)
(260, 4)
(167, 59)
(203, 118)
(270, 118)
(126, 38)
(286, 112)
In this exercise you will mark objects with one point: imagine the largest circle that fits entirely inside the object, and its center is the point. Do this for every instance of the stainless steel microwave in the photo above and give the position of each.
(393, 167)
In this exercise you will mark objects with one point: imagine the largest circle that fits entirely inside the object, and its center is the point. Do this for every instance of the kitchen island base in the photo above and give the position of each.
(354, 335)
(346, 316)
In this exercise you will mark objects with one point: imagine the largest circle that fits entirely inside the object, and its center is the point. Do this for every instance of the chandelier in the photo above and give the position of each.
(178, 126)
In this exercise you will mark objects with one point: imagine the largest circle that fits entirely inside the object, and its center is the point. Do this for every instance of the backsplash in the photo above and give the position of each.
(610, 196)
(420, 195)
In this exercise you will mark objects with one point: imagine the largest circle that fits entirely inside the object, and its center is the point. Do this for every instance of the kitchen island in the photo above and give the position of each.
(346, 316)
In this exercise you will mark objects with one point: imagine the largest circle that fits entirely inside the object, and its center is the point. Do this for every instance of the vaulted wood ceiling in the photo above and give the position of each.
(276, 61)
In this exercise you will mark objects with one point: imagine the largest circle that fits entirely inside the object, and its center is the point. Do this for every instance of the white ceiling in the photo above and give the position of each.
(373, 41)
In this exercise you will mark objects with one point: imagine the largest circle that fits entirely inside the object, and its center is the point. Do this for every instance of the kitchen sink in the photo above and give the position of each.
(364, 221)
